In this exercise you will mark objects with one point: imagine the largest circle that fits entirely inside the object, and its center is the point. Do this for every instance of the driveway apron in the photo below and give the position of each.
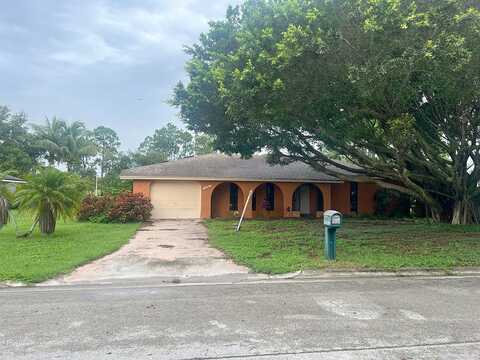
(162, 248)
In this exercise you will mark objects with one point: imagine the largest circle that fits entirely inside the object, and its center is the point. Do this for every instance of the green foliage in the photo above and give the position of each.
(5, 191)
(113, 185)
(202, 144)
(84, 152)
(61, 142)
(49, 195)
(107, 143)
(170, 143)
(79, 147)
(16, 152)
(392, 86)
(50, 139)
(6, 197)
(392, 203)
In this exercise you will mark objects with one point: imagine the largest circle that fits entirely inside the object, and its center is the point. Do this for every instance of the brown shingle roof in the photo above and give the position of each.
(223, 167)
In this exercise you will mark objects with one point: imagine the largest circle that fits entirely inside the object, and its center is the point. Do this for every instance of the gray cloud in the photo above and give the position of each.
(102, 62)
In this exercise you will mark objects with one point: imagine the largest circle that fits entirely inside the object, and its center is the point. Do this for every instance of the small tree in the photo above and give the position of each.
(107, 143)
(50, 195)
(170, 143)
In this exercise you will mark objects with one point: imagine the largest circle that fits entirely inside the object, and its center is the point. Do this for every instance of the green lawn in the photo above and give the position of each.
(280, 246)
(40, 257)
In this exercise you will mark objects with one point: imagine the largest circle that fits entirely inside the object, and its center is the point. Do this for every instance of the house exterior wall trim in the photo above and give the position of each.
(159, 178)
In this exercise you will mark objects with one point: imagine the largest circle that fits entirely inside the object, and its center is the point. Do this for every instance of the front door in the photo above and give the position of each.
(305, 200)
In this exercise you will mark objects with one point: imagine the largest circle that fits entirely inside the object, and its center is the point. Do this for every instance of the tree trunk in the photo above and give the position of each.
(3, 212)
(47, 222)
(435, 215)
(462, 212)
(51, 160)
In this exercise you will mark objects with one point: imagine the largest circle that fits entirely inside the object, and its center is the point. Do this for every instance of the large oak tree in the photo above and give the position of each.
(391, 86)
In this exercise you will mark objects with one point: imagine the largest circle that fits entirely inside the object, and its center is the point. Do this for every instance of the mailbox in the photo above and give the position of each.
(332, 220)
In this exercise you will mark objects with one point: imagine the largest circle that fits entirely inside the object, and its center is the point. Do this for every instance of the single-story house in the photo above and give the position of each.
(12, 182)
(217, 186)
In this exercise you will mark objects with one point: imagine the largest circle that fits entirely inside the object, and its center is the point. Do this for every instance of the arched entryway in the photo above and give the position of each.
(307, 200)
(227, 200)
(267, 201)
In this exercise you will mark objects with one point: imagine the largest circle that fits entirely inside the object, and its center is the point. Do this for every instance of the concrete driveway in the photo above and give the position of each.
(163, 248)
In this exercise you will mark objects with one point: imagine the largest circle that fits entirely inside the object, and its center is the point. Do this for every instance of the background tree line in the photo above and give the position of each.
(87, 152)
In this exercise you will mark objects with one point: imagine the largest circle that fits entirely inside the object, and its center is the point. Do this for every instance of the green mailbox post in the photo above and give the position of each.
(332, 220)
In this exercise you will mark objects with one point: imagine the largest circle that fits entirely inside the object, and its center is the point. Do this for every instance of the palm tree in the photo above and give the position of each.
(79, 145)
(5, 198)
(51, 139)
(49, 195)
(71, 144)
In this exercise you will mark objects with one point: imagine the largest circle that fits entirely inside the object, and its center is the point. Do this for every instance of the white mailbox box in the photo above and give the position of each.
(332, 218)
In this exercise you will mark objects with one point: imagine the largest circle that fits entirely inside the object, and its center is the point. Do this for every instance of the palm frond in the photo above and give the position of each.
(51, 191)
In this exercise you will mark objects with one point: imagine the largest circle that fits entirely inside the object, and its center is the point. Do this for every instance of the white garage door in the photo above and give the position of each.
(175, 199)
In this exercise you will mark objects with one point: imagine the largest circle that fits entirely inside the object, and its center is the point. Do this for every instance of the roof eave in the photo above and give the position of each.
(149, 177)
(14, 181)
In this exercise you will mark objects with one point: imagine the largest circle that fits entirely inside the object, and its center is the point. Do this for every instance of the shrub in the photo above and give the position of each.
(130, 207)
(95, 208)
(391, 203)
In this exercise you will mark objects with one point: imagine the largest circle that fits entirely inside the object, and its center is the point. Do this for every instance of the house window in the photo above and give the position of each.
(233, 197)
(254, 201)
(354, 197)
(319, 200)
(296, 200)
(270, 197)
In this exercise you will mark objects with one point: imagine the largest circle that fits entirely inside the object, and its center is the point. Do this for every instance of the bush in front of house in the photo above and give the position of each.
(391, 203)
(95, 208)
(130, 207)
(122, 208)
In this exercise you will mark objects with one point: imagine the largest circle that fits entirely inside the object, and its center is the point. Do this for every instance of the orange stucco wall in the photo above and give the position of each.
(215, 198)
(221, 202)
(341, 197)
(283, 199)
(366, 198)
(142, 187)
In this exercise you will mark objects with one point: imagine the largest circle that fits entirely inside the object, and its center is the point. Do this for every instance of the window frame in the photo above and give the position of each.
(233, 199)
(270, 196)
(354, 197)
(320, 200)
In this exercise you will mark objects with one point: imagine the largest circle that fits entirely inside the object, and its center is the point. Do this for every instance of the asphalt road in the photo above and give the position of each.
(351, 318)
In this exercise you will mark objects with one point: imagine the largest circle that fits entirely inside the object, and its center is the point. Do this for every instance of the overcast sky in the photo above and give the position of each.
(104, 62)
